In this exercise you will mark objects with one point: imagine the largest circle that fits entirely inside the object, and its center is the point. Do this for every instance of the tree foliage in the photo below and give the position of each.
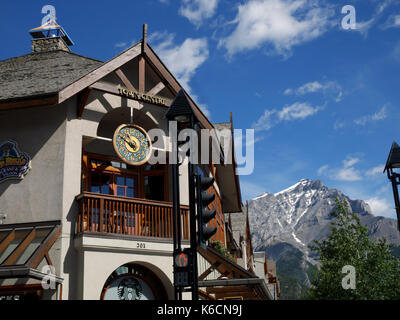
(377, 271)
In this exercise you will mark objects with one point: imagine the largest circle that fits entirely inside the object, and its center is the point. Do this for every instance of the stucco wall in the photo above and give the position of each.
(39, 132)
(99, 257)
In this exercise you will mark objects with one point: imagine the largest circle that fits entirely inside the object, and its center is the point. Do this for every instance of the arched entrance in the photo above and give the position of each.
(133, 282)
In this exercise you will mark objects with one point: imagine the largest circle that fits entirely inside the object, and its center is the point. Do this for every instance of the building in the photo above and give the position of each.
(241, 247)
(77, 221)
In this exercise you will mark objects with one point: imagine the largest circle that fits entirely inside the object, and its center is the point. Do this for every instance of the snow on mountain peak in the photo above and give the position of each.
(262, 196)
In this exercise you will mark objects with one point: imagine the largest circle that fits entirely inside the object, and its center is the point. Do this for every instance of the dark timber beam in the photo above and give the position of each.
(125, 80)
(7, 240)
(82, 101)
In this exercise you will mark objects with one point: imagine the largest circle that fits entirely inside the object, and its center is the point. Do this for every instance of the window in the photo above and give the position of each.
(113, 177)
(126, 186)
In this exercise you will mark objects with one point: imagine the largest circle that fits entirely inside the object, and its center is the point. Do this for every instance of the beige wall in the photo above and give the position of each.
(39, 132)
(101, 256)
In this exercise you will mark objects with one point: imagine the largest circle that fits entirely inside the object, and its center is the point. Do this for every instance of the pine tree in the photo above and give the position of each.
(377, 271)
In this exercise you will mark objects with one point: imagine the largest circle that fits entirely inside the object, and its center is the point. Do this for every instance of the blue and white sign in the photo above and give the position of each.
(14, 164)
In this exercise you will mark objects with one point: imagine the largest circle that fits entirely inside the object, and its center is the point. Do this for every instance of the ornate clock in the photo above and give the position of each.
(132, 144)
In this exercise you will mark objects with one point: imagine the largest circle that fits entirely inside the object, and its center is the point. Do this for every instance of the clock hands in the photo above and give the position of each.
(130, 142)
(133, 142)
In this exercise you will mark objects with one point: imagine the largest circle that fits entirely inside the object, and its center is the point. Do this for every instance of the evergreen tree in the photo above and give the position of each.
(377, 271)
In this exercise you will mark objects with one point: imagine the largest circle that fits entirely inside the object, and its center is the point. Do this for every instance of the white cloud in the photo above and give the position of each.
(392, 22)
(182, 60)
(374, 171)
(265, 123)
(349, 162)
(364, 26)
(345, 173)
(121, 45)
(279, 23)
(377, 116)
(296, 111)
(309, 87)
(198, 10)
(316, 86)
(381, 207)
(321, 171)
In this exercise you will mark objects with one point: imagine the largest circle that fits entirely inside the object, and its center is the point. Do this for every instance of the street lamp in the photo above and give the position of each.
(393, 162)
(180, 109)
(182, 112)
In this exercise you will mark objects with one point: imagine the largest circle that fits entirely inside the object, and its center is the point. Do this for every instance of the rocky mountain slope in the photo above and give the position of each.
(285, 223)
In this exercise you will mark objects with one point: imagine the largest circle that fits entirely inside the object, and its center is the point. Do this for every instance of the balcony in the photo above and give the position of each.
(99, 213)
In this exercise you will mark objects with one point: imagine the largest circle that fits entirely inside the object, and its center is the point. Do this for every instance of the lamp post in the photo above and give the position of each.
(182, 112)
(393, 162)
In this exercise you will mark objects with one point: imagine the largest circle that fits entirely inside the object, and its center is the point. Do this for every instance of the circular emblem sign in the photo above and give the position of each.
(129, 288)
(132, 144)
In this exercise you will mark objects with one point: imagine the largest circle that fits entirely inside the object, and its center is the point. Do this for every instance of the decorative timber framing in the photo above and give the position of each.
(25, 233)
(234, 281)
(121, 75)
(99, 73)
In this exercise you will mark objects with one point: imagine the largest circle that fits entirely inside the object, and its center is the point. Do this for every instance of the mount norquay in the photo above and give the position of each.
(285, 223)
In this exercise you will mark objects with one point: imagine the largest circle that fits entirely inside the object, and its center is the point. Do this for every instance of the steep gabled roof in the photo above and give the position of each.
(59, 75)
(42, 74)
(393, 160)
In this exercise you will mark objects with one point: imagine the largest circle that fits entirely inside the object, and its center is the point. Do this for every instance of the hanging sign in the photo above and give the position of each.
(14, 164)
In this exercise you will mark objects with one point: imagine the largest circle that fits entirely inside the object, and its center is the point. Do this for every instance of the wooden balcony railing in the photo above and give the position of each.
(136, 217)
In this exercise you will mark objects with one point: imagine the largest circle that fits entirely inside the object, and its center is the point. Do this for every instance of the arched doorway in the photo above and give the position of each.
(133, 282)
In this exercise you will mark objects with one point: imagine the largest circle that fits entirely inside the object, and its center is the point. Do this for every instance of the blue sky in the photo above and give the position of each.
(323, 100)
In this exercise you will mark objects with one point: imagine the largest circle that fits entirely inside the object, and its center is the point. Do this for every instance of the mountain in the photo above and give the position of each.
(285, 223)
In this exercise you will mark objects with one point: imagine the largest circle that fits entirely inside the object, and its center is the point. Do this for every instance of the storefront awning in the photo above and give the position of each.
(24, 246)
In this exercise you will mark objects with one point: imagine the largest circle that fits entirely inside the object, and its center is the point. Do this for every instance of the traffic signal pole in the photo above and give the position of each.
(193, 232)
(176, 220)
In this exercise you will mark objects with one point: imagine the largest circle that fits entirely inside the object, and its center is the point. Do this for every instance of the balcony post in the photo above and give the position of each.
(101, 214)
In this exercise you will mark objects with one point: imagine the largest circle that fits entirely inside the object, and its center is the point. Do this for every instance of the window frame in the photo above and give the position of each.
(139, 173)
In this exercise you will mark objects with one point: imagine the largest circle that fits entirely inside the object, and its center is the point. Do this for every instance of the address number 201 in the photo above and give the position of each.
(141, 245)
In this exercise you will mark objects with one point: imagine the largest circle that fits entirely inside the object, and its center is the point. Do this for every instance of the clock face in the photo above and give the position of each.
(132, 144)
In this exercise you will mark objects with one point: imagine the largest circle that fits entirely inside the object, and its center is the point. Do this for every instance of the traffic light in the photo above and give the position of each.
(183, 268)
(204, 215)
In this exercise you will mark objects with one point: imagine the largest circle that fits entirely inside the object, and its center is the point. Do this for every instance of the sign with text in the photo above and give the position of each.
(142, 97)
(14, 164)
